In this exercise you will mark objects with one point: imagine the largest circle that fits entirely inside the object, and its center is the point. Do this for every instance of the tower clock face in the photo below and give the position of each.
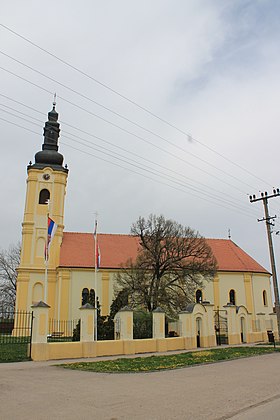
(46, 177)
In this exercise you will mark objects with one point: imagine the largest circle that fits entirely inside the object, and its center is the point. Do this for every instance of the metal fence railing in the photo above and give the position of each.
(15, 335)
(16, 326)
(63, 330)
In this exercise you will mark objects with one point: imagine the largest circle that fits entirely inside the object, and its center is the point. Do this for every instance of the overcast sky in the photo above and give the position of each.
(173, 110)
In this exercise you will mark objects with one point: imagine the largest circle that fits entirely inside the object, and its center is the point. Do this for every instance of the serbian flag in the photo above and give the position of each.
(52, 226)
(97, 257)
(97, 249)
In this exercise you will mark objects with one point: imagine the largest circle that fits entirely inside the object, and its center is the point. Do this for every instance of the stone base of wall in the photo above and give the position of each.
(234, 339)
(209, 341)
(77, 350)
(254, 337)
(276, 335)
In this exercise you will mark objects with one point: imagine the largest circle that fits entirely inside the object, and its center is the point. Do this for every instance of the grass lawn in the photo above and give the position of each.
(13, 352)
(174, 361)
(13, 349)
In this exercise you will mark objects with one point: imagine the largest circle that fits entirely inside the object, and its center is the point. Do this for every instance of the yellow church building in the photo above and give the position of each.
(239, 280)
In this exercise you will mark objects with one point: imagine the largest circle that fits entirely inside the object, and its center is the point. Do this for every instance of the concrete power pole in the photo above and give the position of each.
(264, 198)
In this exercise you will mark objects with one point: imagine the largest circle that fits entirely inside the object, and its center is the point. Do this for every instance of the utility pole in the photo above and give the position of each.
(269, 222)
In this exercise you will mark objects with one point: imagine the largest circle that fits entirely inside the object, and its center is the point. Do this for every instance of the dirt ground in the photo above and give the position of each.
(41, 390)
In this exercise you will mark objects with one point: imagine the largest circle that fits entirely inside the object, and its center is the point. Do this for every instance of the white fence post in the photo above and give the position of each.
(87, 323)
(158, 323)
(124, 321)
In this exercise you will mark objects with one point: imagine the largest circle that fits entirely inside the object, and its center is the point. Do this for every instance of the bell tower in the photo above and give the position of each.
(45, 195)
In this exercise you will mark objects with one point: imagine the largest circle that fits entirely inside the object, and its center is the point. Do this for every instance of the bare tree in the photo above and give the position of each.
(173, 261)
(9, 261)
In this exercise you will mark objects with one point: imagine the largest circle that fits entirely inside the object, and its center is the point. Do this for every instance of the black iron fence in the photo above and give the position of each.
(63, 330)
(221, 326)
(15, 335)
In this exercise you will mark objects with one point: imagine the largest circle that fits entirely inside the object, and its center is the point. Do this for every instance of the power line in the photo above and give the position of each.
(19, 112)
(133, 134)
(111, 144)
(22, 104)
(170, 178)
(194, 192)
(126, 119)
(163, 183)
(126, 98)
(97, 137)
(20, 126)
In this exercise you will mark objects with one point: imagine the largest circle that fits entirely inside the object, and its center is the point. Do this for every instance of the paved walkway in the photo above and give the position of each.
(41, 391)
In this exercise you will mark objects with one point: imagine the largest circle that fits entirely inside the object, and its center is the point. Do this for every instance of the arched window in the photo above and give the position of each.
(85, 296)
(264, 298)
(88, 296)
(198, 296)
(44, 196)
(92, 297)
(232, 296)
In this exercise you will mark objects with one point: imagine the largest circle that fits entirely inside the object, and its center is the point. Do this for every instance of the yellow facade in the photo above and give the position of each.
(45, 197)
(31, 271)
(64, 285)
(248, 288)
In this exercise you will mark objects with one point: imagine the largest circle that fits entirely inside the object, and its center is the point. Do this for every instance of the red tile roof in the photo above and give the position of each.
(77, 250)
(232, 258)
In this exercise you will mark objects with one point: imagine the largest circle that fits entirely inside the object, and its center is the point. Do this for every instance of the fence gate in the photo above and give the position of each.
(15, 335)
(221, 327)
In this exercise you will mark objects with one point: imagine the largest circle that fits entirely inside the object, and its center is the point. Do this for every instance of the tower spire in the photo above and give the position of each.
(49, 155)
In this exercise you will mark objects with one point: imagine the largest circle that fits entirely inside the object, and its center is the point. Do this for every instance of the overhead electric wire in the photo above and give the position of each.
(111, 144)
(149, 170)
(90, 134)
(130, 170)
(120, 166)
(125, 150)
(140, 107)
(20, 112)
(20, 126)
(128, 100)
(22, 104)
(125, 118)
(97, 137)
(98, 147)
(128, 132)
(163, 183)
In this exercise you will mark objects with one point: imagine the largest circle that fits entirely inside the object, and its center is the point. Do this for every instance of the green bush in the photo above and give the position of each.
(142, 324)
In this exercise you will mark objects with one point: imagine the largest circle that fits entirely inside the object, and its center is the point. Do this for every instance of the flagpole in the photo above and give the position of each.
(46, 280)
(95, 279)
(46, 256)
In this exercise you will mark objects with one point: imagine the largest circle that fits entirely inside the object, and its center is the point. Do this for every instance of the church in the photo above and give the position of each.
(70, 268)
